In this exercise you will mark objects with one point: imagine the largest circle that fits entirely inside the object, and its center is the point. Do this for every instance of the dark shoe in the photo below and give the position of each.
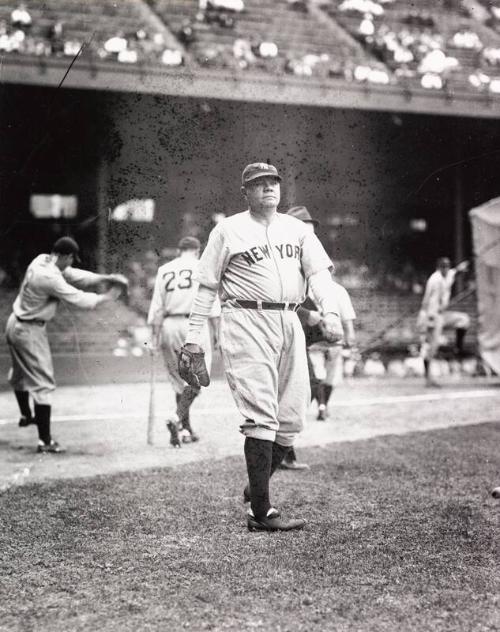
(293, 465)
(321, 413)
(174, 434)
(246, 494)
(26, 421)
(52, 447)
(189, 437)
(187, 434)
(274, 522)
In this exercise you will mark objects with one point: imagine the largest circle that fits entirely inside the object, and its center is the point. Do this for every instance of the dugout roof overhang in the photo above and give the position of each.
(248, 88)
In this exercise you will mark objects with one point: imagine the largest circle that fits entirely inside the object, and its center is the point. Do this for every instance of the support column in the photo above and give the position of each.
(103, 217)
(458, 224)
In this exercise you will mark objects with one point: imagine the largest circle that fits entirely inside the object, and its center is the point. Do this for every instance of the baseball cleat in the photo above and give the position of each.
(174, 434)
(53, 447)
(190, 438)
(26, 421)
(273, 522)
(293, 465)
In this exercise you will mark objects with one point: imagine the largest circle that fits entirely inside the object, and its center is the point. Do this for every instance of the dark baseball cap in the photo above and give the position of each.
(301, 212)
(258, 170)
(67, 246)
(189, 243)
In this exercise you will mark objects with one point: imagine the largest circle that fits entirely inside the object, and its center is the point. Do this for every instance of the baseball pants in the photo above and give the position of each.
(446, 320)
(266, 368)
(32, 369)
(327, 363)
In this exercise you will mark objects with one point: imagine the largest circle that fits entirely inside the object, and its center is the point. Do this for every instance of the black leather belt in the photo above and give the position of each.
(35, 321)
(178, 315)
(267, 305)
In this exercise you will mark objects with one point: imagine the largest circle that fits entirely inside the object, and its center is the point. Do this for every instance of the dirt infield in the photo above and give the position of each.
(103, 427)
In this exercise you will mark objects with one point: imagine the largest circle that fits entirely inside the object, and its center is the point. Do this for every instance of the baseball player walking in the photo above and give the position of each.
(260, 261)
(434, 315)
(50, 278)
(326, 357)
(168, 315)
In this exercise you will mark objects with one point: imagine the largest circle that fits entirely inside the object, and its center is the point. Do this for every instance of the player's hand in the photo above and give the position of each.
(313, 318)
(153, 346)
(332, 327)
(193, 348)
(113, 293)
(350, 342)
(462, 266)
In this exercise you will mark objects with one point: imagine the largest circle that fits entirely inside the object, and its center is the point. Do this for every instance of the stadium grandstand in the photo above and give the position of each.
(126, 123)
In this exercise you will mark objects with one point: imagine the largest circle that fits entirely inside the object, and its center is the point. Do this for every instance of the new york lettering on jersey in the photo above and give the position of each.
(258, 262)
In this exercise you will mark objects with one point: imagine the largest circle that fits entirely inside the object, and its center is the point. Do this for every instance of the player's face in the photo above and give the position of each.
(263, 193)
(64, 261)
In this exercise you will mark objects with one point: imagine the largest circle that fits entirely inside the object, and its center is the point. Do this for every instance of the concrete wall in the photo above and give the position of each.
(363, 174)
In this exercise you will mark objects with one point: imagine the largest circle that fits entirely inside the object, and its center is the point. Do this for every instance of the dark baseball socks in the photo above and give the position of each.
(259, 457)
(23, 401)
(459, 340)
(42, 420)
(184, 401)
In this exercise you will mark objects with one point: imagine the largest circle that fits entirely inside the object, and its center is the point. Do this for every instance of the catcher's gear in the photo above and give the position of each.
(192, 367)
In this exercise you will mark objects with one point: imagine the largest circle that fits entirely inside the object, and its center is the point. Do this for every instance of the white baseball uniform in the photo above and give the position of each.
(264, 349)
(434, 315)
(326, 358)
(44, 285)
(173, 294)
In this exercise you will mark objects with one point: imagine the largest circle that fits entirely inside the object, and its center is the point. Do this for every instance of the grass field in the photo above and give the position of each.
(402, 534)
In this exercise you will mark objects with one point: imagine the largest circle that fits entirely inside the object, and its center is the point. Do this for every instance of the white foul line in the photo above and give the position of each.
(354, 403)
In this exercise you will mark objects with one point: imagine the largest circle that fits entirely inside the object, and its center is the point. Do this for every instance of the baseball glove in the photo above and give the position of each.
(192, 368)
(118, 281)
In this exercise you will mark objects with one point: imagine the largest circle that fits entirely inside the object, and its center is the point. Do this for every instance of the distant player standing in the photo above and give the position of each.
(259, 261)
(173, 294)
(326, 357)
(49, 279)
(434, 315)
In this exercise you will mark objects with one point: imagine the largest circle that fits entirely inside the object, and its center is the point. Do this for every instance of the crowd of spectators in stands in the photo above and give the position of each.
(406, 48)
(21, 34)
(412, 46)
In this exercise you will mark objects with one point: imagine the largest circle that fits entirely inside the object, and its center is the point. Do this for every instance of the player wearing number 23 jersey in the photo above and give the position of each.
(168, 315)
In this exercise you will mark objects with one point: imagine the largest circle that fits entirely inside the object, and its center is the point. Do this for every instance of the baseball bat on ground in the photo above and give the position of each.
(151, 412)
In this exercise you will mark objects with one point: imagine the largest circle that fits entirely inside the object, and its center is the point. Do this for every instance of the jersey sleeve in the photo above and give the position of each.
(81, 278)
(314, 257)
(62, 290)
(214, 259)
(155, 313)
(346, 308)
(216, 308)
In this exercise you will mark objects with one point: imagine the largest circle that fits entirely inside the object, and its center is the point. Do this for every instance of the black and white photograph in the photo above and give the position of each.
(250, 315)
